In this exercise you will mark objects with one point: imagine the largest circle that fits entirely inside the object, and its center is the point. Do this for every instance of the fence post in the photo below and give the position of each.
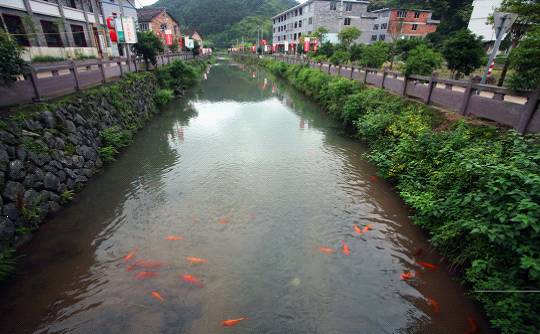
(466, 98)
(404, 89)
(383, 77)
(339, 70)
(530, 109)
(329, 66)
(352, 71)
(100, 65)
(73, 69)
(431, 86)
(119, 62)
(33, 78)
(135, 64)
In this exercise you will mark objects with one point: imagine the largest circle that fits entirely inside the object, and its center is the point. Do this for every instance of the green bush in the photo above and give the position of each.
(12, 64)
(476, 189)
(179, 76)
(422, 60)
(113, 139)
(164, 96)
(525, 61)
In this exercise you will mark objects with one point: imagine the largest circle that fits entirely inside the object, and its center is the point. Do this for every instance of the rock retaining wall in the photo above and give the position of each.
(49, 151)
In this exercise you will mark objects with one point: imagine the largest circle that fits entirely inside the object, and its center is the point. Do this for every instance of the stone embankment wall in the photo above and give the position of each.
(49, 151)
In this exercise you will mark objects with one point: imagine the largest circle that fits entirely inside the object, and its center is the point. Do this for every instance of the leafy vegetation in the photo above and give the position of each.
(422, 60)
(164, 96)
(475, 189)
(525, 61)
(348, 35)
(179, 75)
(12, 64)
(148, 46)
(464, 53)
(114, 139)
(7, 263)
(66, 196)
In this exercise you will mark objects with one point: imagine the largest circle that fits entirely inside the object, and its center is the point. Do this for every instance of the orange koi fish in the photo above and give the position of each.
(407, 275)
(157, 296)
(367, 228)
(473, 326)
(192, 279)
(232, 322)
(146, 274)
(174, 237)
(326, 250)
(130, 255)
(225, 219)
(357, 229)
(434, 305)
(427, 265)
(346, 249)
(196, 260)
(151, 264)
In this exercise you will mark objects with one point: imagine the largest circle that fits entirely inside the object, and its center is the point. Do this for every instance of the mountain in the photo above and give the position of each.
(226, 20)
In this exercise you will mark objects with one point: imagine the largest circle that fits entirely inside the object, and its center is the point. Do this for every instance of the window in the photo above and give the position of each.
(382, 37)
(348, 7)
(299, 35)
(300, 11)
(294, 36)
(15, 27)
(416, 15)
(386, 14)
(296, 12)
(347, 21)
(300, 24)
(414, 26)
(376, 27)
(402, 13)
(373, 37)
(274, 30)
(72, 4)
(274, 21)
(78, 35)
(333, 5)
(310, 20)
(144, 26)
(384, 26)
(296, 24)
(52, 35)
(163, 27)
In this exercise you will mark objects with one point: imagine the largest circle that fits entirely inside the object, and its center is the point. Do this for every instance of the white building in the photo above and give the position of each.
(478, 24)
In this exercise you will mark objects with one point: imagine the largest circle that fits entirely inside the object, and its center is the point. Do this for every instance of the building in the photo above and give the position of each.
(392, 24)
(60, 28)
(301, 20)
(195, 36)
(162, 23)
(478, 23)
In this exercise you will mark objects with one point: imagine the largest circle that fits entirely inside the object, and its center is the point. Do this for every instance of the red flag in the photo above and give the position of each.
(168, 39)
(306, 45)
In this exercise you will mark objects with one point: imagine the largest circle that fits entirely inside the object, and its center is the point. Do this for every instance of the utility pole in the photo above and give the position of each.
(503, 21)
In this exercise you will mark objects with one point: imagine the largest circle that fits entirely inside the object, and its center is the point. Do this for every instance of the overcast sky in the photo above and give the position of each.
(140, 3)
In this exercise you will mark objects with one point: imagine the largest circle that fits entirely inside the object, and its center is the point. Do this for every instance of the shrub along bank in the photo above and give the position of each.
(476, 189)
(48, 151)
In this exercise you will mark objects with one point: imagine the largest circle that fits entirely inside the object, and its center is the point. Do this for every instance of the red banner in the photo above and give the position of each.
(306, 45)
(315, 45)
(274, 48)
(254, 48)
(168, 39)
(263, 41)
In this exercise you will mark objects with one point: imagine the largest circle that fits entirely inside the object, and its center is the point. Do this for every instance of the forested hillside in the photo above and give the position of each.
(226, 20)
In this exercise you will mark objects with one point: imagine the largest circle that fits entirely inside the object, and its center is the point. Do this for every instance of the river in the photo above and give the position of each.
(251, 179)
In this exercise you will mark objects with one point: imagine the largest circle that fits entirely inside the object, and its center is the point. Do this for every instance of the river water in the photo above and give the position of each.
(253, 179)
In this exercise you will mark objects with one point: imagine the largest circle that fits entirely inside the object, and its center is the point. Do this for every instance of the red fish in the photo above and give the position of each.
(196, 260)
(192, 279)
(427, 265)
(146, 274)
(367, 228)
(407, 275)
(326, 250)
(232, 322)
(473, 326)
(157, 296)
(357, 229)
(346, 249)
(130, 255)
(173, 237)
(434, 305)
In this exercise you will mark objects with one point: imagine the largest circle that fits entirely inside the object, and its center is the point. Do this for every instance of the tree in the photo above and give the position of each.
(326, 49)
(404, 46)
(422, 60)
(320, 33)
(463, 52)
(356, 51)
(148, 46)
(525, 61)
(12, 63)
(340, 57)
(375, 55)
(348, 35)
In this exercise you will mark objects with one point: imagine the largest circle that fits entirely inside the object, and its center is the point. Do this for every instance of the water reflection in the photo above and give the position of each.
(255, 179)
